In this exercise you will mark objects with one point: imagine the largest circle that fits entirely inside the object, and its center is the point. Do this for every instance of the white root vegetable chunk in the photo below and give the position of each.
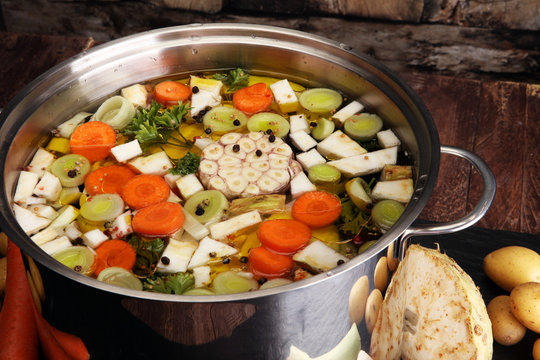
(66, 215)
(319, 256)
(135, 94)
(41, 161)
(155, 164)
(121, 226)
(25, 186)
(228, 227)
(48, 187)
(72, 231)
(189, 185)
(127, 151)
(176, 256)
(365, 164)
(193, 227)
(94, 238)
(208, 250)
(56, 245)
(310, 158)
(45, 236)
(298, 123)
(338, 145)
(201, 143)
(387, 139)
(302, 141)
(28, 221)
(347, 111)
(284, 96)
(173, 198)
(399, 190)
(300, 184)
(207, 94)
(202, 276)
(43, 210)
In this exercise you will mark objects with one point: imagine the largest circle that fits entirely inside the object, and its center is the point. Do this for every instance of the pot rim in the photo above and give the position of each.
(273, 36)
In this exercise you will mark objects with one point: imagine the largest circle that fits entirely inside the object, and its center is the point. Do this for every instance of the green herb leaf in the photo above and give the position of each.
(169, 283)
(148, 254)
(352, 219)
(235, 79)
(189, 164)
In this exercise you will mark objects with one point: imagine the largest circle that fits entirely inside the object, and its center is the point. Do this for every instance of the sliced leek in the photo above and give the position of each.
(120, 277)
(116, 112)
(82, 259)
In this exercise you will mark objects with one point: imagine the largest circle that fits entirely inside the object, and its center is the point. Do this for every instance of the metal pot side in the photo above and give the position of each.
(313, 315)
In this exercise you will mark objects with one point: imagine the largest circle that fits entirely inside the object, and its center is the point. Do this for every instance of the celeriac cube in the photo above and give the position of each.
(45, 211)
(155, 164)
(193, 227)
(176, 256)
(365, 164)
(173, 198)
(399, 190)
(40, 162)
(48, 187)
(347, 111)
(28, 221)
(94, 238)
(284, 96)
(56, 245)
(33, 200)
(66, 128)
(338, 145)
(121, 226)
(300, 184)
(127, 151)
(189, 185)
(387, 139)
(202, 276)
(228, 227)
(298, 123)
(72, 231)
(208, 250)
(25, 186)
(45, 236)
(135, 94)
(66, 215)
(201, 143)
(319, 256)
(310, 158)
(170, 179)
(202, 100)
(210, 85)
(302, 141)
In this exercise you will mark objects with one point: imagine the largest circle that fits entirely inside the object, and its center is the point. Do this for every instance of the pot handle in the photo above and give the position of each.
(468, 220)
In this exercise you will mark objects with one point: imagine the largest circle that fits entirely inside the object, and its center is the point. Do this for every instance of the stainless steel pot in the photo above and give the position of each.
(313, 315)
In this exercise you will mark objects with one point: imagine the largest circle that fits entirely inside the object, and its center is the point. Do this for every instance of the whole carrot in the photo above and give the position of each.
(18, 333)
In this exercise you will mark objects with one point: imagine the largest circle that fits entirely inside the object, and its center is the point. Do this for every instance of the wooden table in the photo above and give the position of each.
(498, 120)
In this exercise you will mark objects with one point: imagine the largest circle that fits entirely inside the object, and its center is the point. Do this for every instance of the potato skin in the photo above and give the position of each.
(512, 265)
(507, 330)
(525, 305)
(536, 350)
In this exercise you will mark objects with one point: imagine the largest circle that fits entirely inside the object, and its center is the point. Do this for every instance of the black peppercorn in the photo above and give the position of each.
(236, 148)
(72, 173)
(340, 261)
(272, 138)
(199, 211)
(269, 131)
(313, 124)
(195, 89)
(258, 152)
(165, 260)
(261, 281)
(236, 122)
(244, 259)
(212, 254)
(226, 260)
(208, 130)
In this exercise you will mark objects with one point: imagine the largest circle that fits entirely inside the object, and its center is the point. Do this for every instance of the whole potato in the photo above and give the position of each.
(536, 349)
(512, 265)
(525, 305)
(507, 330)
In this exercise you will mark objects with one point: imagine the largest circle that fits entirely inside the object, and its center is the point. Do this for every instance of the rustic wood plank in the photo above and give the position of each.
(453, 105)
(500, 140)
(530, 199)
(42, 52)
(400, 10)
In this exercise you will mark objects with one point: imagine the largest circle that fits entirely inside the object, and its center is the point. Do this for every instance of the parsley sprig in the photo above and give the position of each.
(188, 164)
(169, 283)
(156, 124)
(235, 79)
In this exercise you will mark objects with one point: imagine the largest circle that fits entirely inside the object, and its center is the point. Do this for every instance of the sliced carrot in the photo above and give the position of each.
(284, 236)
(18, 333)
(145, 189)
(158, 219)
(170, 92)
(108, 179)
(269, 265)
(93, 140)
(316, 209)
(253, 99)
(115, 253)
